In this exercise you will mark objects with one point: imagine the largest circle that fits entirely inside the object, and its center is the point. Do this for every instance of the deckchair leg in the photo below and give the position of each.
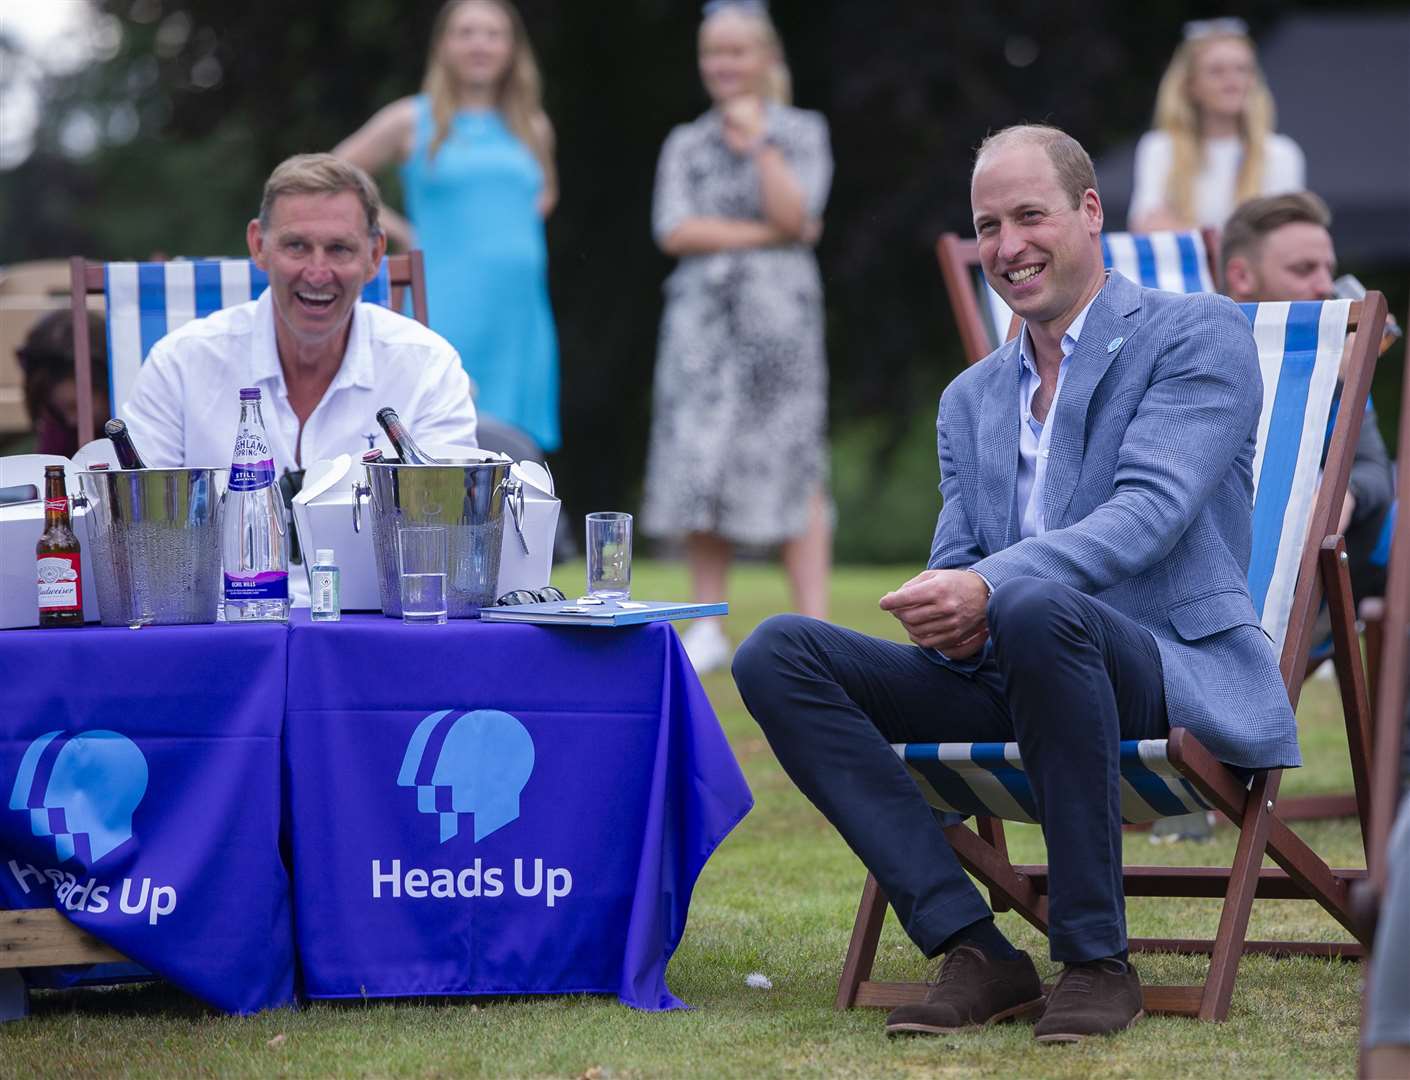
(994, 869)
(991, 831)
(861, 951)
(1238, 901)
(1351, 676)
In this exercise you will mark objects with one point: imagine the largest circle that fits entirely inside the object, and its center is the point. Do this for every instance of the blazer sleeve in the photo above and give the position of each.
(954, 544)
(1199, 411)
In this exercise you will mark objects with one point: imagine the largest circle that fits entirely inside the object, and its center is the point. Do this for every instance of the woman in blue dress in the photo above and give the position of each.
(476, 156)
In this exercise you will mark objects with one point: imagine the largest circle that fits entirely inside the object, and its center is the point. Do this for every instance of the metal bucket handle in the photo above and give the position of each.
(514, 495)
(360, 491)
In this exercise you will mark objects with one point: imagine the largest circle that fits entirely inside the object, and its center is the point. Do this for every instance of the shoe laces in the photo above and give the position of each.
(953, 965)
(1075, 980)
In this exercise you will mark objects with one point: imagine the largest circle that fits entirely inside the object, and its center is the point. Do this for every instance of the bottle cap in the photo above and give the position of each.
(249, 393)
(324, 557)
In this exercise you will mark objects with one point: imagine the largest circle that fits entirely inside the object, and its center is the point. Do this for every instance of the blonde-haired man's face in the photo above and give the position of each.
(1294, 262)
(318, 255)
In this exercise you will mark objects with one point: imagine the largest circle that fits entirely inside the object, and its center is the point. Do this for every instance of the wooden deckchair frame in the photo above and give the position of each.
(959, 258)
(1392, 690)
(1302, 874)
(405, 271)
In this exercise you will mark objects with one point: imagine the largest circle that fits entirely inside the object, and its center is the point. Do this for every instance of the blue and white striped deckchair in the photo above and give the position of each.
(1300, 347)
(1175, 262)
(1299, 351)
(147, 301)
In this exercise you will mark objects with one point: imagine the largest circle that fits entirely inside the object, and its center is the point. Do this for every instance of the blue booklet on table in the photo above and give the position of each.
(607, 613)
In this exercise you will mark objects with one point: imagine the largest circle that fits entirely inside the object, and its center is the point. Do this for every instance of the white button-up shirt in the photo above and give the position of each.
(185, 404)
(1034, 434)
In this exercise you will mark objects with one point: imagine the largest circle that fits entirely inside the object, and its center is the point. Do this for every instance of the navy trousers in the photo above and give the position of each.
(1066, 677)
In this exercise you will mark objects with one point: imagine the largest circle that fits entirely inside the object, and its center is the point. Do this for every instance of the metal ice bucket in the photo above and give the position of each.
(154, 538)
(469, 498)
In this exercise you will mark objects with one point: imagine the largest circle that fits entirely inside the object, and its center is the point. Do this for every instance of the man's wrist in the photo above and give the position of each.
(988, 588)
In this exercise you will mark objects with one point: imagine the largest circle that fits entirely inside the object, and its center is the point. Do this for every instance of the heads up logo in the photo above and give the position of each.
(82, 791)
(476, 764)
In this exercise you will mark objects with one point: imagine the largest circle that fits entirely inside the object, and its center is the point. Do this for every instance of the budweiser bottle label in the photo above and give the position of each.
(60, 586)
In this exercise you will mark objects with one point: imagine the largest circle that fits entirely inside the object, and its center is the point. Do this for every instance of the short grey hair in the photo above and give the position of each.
(322, 174)
(1071, 162)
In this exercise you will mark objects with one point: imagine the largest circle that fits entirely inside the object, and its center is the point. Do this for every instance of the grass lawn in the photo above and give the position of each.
(777, 898)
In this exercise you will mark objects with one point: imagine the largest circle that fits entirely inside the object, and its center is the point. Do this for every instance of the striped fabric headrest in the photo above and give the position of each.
(147, 301)
(1299, 349)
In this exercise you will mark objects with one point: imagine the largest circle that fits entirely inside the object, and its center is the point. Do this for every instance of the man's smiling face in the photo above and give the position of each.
(318, 255)
(1039, 252)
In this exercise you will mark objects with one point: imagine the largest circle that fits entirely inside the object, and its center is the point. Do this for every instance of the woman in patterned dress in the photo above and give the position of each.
(738, 449)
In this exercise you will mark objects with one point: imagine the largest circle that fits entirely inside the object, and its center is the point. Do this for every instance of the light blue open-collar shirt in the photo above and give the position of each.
(1033, 434)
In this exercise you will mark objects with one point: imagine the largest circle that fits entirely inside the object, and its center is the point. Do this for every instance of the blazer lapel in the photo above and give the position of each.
(998, 446)
(1108, 327)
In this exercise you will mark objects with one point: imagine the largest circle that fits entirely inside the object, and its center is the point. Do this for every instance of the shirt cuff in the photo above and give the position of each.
(981, 577)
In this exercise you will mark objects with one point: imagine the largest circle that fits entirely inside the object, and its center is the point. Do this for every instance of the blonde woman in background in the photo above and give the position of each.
(738, 450)
(1213, 145)
(476, 155)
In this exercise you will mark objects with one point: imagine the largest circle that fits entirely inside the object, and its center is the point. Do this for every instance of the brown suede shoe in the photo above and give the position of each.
(972, 989)
(1090, 999)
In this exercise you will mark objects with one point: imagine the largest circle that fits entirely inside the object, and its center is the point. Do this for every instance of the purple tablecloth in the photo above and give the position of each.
(496, 809)
(140, 773)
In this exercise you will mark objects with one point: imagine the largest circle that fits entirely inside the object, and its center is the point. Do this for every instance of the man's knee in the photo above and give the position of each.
(768, 652)
(1028, 611)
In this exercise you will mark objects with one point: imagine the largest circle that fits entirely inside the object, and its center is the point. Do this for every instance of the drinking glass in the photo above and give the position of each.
(609, 556)
(422, 554)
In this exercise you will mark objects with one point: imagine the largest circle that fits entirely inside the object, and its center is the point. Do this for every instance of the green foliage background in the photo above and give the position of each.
(196, 100)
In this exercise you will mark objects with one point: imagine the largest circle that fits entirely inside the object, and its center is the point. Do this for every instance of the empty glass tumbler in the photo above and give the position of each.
(609, 556)
(422, 555)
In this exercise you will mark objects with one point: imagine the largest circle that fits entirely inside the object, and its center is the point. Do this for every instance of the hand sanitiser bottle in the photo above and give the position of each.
(254, 539)
(325, 602)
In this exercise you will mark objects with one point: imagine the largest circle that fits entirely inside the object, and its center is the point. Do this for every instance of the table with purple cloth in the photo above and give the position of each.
(141, 777)
(498, 809)
(465, 809)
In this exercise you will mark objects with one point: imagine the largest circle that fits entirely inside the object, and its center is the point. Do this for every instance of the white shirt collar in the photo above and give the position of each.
(1070, 336)
(355, 370)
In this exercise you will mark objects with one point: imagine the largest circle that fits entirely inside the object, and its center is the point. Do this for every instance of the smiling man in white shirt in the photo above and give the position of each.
(325, 361)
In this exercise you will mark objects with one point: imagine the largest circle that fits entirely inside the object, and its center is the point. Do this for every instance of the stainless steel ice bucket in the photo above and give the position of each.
(154, 542)
(468, 497)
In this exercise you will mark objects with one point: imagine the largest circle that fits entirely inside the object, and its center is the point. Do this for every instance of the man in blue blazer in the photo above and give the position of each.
(1086, 584)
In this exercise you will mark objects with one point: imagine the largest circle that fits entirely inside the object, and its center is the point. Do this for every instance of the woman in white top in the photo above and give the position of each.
(1213, 145)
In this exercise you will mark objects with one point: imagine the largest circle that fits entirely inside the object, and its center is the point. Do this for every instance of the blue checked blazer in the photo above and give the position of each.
(1148, 499)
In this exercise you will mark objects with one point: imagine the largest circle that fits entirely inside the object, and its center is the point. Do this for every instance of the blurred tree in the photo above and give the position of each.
(162, 142)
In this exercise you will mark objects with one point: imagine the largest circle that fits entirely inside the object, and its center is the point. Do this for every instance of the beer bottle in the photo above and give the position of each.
(401, 439)
(60, 579)
(127, 455)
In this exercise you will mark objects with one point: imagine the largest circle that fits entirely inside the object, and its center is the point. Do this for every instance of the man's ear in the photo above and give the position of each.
(254, 239)
(379, 249)
(1240, 280)
(1092, 210)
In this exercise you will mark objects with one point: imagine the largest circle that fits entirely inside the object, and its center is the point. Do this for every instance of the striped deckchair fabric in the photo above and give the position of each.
(1299, 353)
(1172, 261)
(146, 301)
(988, 778)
